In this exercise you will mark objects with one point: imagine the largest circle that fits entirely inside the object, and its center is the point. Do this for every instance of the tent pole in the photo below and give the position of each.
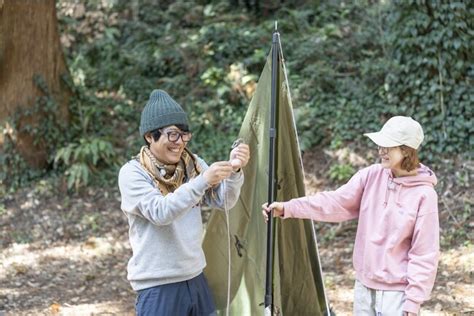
(271, 169)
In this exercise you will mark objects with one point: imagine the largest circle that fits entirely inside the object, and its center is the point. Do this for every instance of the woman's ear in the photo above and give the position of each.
(404, 153)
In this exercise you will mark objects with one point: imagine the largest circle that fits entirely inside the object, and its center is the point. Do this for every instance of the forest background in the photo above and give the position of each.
(351, 64)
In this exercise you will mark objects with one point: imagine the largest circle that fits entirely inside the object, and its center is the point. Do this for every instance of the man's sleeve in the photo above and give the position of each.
(142, 198)
(226, 194)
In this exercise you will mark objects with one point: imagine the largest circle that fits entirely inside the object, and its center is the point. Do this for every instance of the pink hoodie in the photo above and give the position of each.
(397, 241)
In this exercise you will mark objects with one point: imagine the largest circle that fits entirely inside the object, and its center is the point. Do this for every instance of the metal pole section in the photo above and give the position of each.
(271, 171)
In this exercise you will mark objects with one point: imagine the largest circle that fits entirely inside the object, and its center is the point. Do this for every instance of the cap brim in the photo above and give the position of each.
(382, 140)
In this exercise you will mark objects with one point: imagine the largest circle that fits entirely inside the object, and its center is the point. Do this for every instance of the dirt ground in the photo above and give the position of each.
(67, 255)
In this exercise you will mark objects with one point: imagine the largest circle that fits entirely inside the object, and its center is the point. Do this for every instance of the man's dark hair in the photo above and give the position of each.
(156, 134)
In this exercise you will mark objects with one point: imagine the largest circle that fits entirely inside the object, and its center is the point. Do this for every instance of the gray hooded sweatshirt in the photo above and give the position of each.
(165, 232)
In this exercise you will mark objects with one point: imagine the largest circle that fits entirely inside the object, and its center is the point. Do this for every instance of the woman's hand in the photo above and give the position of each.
(277, 208)
(239, 156)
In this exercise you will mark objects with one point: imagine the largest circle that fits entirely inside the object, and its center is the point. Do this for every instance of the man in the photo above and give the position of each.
(162, 191)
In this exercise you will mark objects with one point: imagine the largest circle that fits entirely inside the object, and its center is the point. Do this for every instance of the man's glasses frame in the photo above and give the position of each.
(174, 135)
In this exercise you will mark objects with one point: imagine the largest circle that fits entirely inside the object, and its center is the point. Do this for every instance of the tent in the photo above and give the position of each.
(298, 287)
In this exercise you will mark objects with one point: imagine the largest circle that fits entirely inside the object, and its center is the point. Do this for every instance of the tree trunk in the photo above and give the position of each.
(29, 47)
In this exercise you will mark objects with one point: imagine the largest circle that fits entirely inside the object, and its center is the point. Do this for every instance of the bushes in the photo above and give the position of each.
(337, 74)
(402, 59)
(431, 77)
(351, 66)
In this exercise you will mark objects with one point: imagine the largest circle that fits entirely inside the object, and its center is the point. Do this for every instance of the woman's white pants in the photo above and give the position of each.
(369, 302)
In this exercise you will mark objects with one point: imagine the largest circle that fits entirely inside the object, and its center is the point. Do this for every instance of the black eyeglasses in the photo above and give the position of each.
(174, 135)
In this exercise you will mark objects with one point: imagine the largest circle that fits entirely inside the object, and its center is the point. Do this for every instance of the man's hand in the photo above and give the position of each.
(409, 314)
(217, 172)
(277, 207)
(239, 156)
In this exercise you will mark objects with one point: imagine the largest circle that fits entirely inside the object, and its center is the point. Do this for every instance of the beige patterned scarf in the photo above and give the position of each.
(169, 177)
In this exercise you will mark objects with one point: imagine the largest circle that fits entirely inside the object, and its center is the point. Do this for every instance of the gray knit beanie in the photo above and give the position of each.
(160, 111)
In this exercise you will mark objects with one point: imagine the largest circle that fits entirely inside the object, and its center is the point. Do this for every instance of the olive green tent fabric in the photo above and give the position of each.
(297, 283)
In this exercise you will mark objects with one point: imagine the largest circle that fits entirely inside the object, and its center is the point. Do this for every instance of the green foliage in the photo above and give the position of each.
(341, 172)
(337, 71)
(83, 158)
(21, 237)
(91, 221)
(351, 66)
(50, 131)
(14, 171)
(205, 65)
(431, 77)
(406, 58)
(3, 210)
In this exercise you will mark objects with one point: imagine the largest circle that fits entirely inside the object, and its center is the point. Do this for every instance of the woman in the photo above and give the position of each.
(396, 249)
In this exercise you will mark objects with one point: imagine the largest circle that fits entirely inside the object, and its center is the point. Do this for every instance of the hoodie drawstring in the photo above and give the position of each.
(390, 186)
(386, 197)
(397, 193)
(424, 177)
(397, 187)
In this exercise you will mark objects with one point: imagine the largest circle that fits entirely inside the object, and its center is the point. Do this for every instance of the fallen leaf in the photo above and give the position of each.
(20, 268)
(55, 307)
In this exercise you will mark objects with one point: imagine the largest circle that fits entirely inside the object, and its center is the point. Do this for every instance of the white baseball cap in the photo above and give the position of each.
(399, 130)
